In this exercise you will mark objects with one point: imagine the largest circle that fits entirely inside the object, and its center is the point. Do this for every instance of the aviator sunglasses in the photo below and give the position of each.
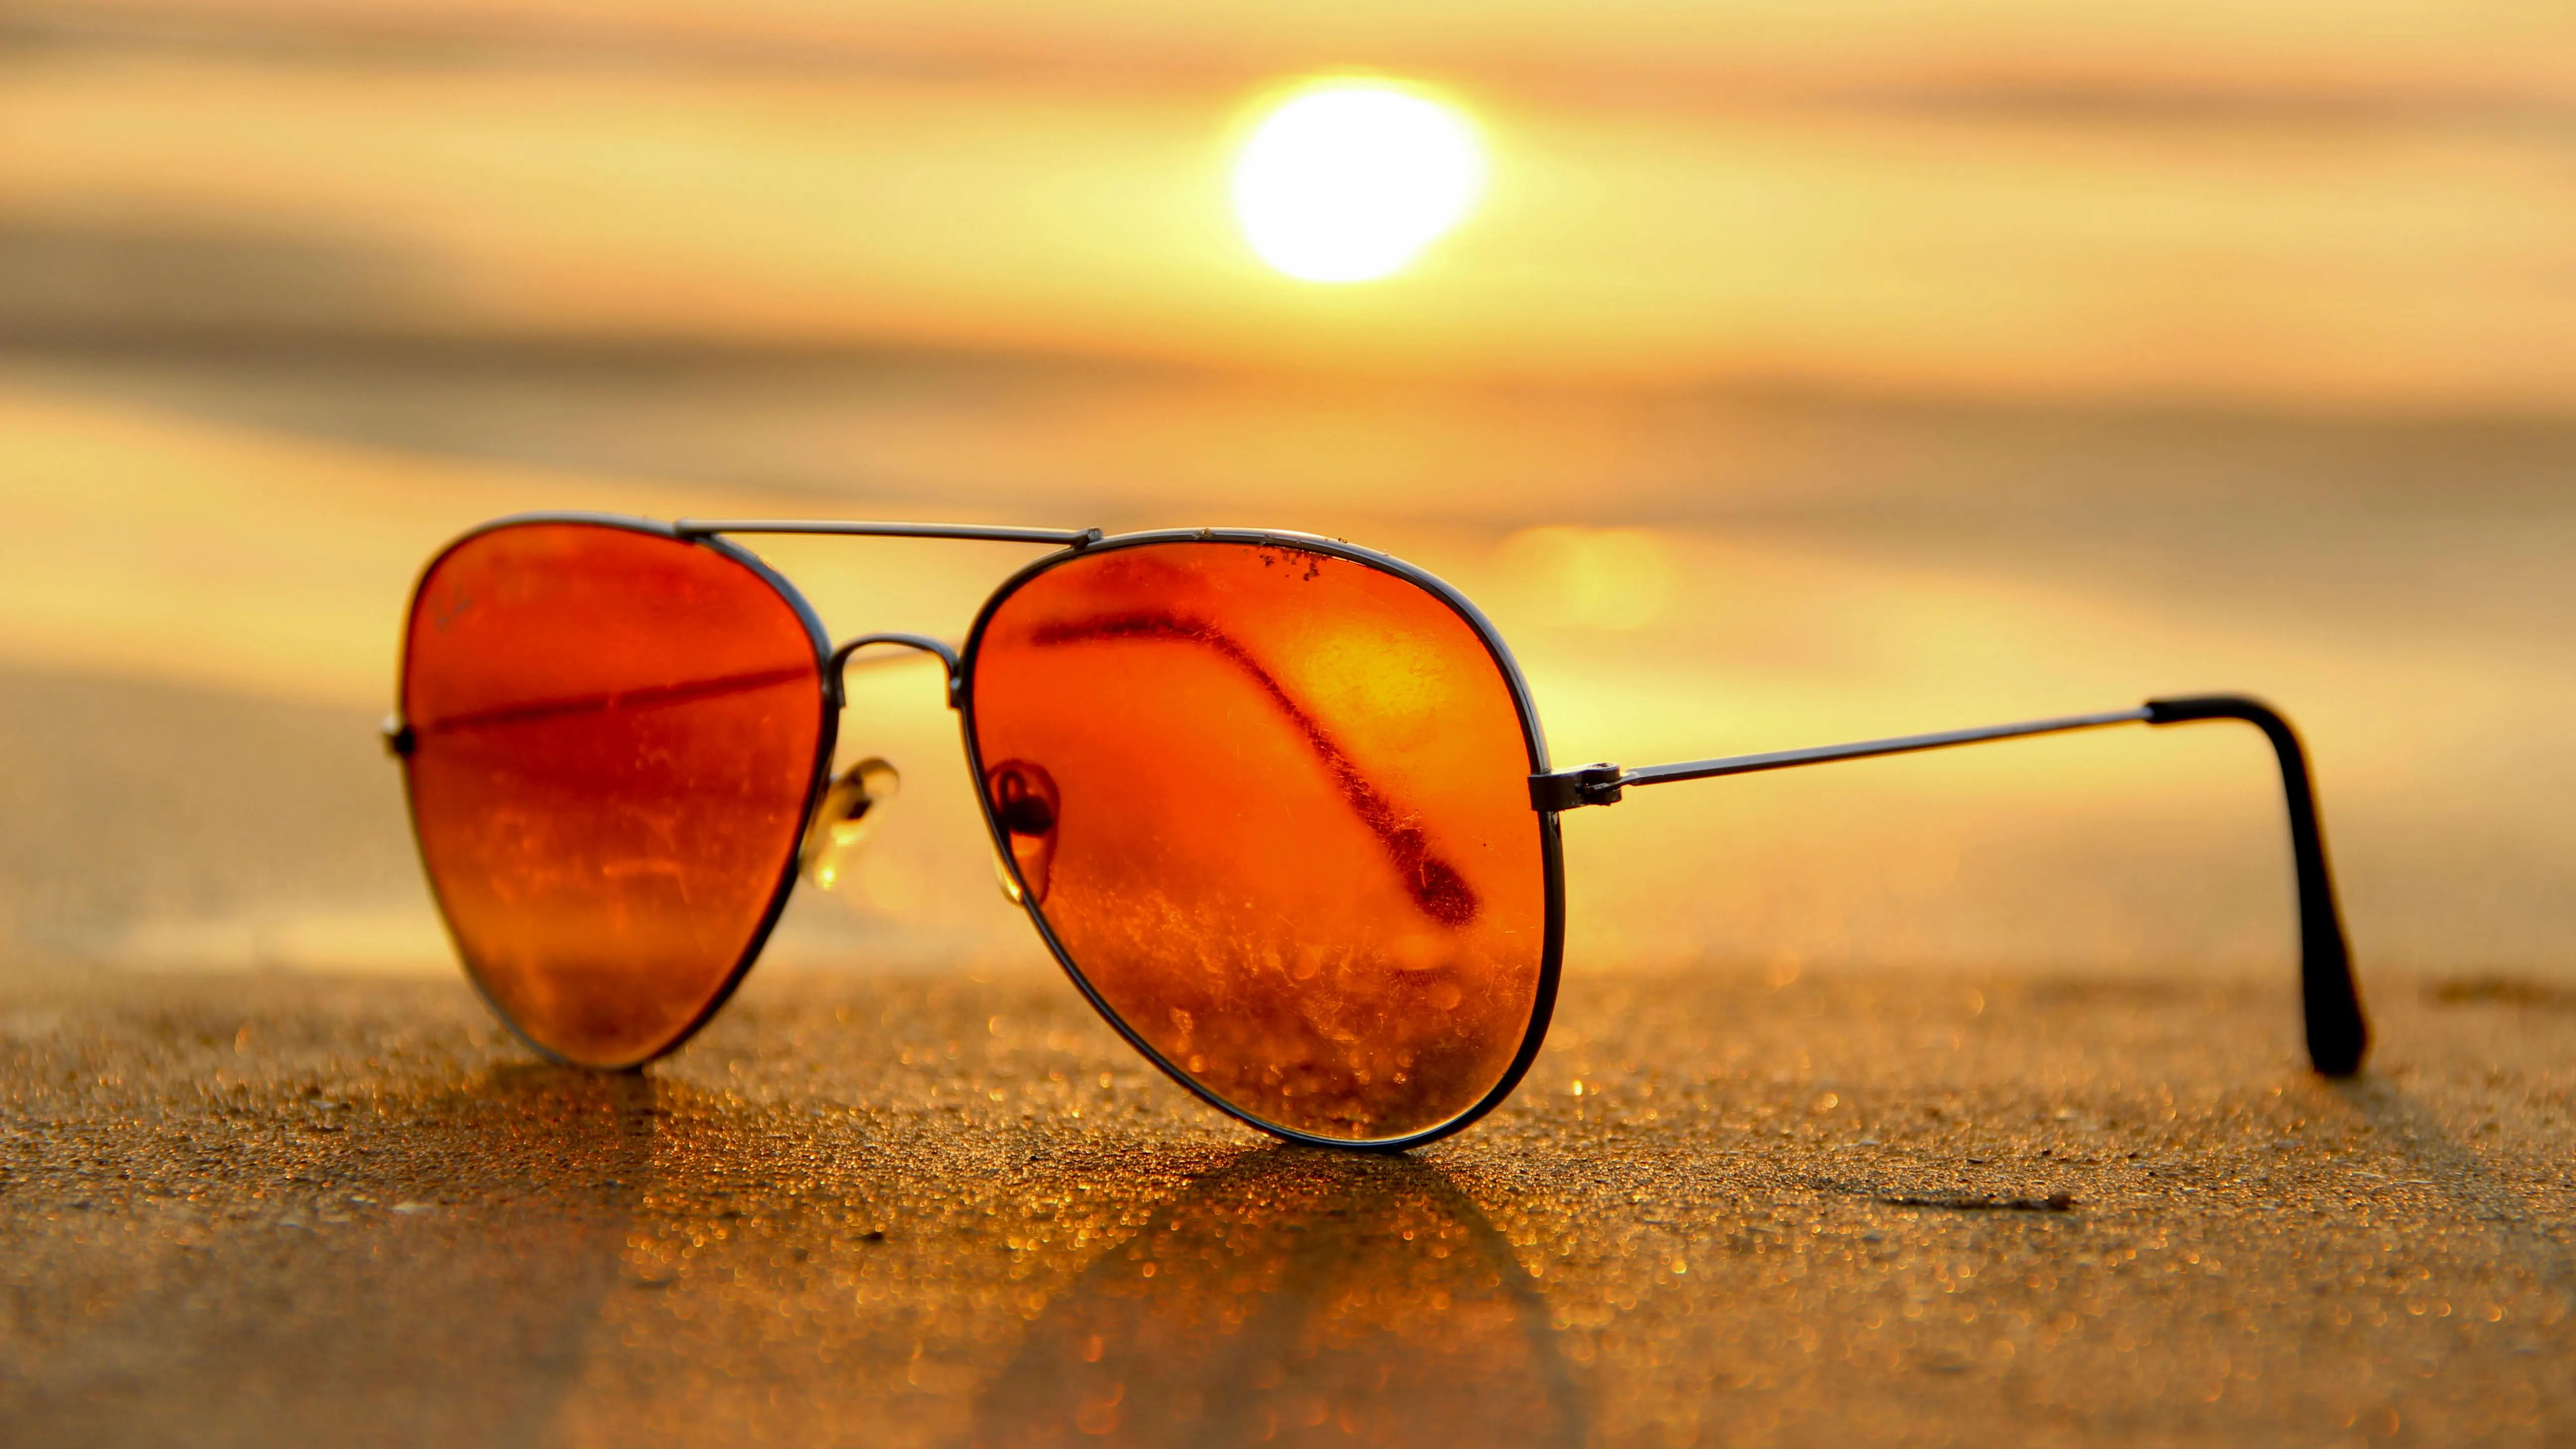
(1280, 806)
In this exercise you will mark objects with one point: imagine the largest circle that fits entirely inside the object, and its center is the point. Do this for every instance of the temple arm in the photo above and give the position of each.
(2337, 1034)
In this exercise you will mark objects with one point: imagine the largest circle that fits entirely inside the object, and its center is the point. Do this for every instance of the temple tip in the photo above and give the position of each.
(2338, 1034)
(2338, 1052)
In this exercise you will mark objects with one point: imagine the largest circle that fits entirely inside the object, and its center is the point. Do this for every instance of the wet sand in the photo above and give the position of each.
(1680, 574)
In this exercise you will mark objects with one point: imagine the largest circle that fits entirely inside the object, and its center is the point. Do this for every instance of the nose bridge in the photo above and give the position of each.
(921, 643)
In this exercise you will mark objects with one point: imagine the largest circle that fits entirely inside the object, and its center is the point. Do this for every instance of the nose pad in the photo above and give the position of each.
(1024, 803)
(847, 817)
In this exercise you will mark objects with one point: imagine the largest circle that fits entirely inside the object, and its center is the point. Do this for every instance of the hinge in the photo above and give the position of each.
(1568, 789)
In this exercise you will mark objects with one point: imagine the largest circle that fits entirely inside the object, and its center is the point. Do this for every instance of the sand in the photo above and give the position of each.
(937, 1210)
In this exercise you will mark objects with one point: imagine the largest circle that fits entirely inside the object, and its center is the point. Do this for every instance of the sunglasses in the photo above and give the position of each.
(1280, 806)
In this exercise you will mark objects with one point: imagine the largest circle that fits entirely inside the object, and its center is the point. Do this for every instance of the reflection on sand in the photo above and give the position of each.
(1294, 1296)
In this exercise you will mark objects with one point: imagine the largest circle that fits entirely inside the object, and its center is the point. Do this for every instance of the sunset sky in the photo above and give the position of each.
(1798, 373)
(2315, 206)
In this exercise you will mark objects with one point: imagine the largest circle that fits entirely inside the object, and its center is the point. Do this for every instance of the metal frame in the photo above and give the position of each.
(1551, 853)
(2338, 1034)
(398, 740)
(989, 533)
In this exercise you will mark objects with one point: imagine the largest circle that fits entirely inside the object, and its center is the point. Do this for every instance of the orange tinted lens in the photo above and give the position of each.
(1274, 806)
(615, 737)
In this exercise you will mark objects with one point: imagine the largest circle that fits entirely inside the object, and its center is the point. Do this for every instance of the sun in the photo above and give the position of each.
(1349, 180)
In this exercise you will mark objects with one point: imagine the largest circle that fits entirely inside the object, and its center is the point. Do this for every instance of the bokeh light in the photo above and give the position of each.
(1592, 578)
(1349, 180)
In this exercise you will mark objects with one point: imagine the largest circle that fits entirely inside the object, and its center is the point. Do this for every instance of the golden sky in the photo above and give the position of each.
(1806, 372)
(2314, 205)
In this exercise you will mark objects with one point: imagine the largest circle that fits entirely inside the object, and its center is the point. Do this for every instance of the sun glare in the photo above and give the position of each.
(1349, 180)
